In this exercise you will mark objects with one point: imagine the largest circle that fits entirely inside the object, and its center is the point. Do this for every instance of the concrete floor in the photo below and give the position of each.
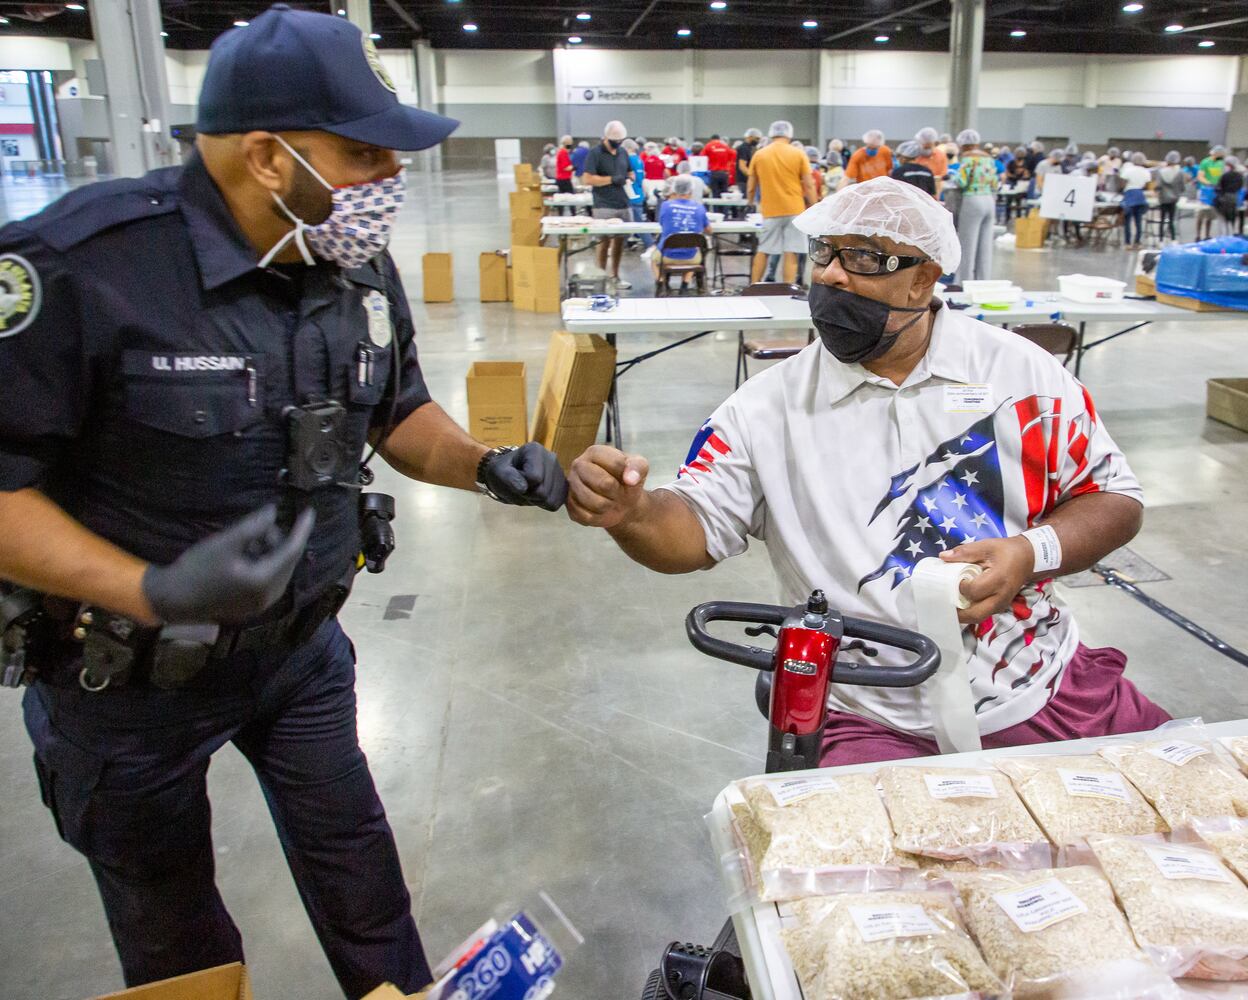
(540, 722)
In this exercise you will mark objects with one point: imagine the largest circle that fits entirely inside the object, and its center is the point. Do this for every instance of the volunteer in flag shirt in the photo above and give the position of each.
(907, 430)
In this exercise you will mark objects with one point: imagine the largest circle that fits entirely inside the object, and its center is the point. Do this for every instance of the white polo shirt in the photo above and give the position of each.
(849, 480)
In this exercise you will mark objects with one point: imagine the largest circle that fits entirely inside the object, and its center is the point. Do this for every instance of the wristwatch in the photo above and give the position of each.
(486, 459)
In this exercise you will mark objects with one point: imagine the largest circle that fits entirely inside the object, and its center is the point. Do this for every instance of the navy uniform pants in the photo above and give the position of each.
(124, 774)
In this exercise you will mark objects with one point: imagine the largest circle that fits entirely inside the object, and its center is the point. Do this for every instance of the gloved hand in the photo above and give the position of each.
(619, 179)
(232, 575)
(529, 477)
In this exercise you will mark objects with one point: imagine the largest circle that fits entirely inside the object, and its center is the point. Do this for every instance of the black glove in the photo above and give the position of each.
(619, 179)
(232, 575)
(529, 477)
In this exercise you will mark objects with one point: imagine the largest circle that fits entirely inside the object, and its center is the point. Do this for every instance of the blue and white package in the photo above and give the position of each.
(517, 962)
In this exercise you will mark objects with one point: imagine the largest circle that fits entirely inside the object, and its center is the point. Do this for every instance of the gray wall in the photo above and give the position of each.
(1093, 126)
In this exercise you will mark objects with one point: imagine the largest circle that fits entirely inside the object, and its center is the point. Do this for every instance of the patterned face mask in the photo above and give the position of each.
(359, 224)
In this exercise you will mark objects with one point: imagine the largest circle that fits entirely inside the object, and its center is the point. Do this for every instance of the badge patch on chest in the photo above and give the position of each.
(20, 294)
(380, 329)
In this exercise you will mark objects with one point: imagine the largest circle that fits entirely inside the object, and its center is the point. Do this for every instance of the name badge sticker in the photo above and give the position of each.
(968, 398)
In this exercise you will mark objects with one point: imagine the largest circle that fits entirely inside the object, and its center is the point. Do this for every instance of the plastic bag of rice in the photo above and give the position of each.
(1056, 932)
(955, 813)
(900, 945)
(1238, 748)
(1073, 796)
(1186, 909)
(1183, 779)
(805, 835)
(1228, 836)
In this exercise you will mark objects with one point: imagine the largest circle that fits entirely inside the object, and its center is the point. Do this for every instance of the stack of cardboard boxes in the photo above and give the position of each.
(535, 269)
(575, 384)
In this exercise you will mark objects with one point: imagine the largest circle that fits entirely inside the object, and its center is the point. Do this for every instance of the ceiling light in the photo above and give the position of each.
(881, 38)
(684, 32)
(74, 6)
(575, 40)
(810, 24)
(1133, 8)
(1018, 33)
(1172, 28)
(719, 5)
(4, 20)
(241, 24)
(1206, 44)
(470, 26)
(584, 16)
(164, 34)
(375, 37)
(341, 12)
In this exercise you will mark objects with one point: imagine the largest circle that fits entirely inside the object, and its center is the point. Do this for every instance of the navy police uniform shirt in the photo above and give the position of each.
(146, 362)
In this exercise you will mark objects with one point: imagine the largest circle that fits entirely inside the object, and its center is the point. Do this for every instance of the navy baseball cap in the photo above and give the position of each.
(295, 71)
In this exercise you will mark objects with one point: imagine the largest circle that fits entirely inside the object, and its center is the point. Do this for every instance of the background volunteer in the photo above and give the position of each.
(781, 461)
(911, 171)
(608, 170)
(679, 213)
(977, 211)
(780, 179)
(871, 159)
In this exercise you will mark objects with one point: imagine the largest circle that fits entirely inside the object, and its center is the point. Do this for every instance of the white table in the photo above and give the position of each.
(767, 967)
(570, 201)
(563, 229)
(649, 316)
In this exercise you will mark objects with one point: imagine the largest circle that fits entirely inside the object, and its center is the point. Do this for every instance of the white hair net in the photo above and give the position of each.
(683, 185)
(892, 209)
(781, 128)
(968, 137)
(926, 136)
(1139, 159)
(873, 137)
(614, 130)
(1173, 156)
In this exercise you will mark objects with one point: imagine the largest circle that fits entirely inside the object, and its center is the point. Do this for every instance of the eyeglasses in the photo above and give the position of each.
(859, 260)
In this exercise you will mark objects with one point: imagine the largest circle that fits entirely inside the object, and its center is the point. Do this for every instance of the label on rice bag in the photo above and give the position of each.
(1181, 862)
(1177, 752)
(795, 789)
(960, 786)
(1040, 905)
(880, 923)
(1094, 784)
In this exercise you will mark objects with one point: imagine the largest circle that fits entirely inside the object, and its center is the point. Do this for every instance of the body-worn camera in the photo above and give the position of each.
(319, 451)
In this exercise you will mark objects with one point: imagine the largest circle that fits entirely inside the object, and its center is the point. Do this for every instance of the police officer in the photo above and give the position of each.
(193, 364)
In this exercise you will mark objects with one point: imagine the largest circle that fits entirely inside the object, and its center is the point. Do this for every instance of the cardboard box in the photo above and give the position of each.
(526, 233)
(1030, 231)
(525, 175)
(526, 205)
(493, 268)
(1145, 285)
(497, 409)
(537, 278)
(575, 384)
(225, 982)
(1195, 305)
(438, 277)
(386, 991)
(511, 281)
(1226, 400)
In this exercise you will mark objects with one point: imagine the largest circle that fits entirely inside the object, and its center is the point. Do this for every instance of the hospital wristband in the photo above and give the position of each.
(1048, 547)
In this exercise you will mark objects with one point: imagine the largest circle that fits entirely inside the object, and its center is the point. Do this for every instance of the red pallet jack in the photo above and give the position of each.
(792, 692)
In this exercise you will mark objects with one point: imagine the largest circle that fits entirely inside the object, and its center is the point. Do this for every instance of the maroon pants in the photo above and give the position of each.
(1093, 699)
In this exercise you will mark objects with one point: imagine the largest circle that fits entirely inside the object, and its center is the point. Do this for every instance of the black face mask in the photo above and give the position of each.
(852, 326)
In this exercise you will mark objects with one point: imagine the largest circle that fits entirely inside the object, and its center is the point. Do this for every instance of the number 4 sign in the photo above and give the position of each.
(1067, 197)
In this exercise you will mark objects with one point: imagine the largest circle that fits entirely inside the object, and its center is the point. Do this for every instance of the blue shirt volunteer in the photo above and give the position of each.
(679, 215)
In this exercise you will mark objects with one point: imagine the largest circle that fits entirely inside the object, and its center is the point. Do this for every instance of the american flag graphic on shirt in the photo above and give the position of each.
(706, 448)
(956, 495)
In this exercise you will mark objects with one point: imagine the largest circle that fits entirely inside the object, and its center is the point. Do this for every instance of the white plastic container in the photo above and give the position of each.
(1090, 288)
(713, 217)
(995, 291)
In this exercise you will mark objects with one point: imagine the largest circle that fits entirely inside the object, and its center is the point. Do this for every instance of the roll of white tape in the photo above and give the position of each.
(937, 599)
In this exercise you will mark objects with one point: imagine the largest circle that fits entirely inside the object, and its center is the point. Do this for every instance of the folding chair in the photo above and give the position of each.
(1059, 339)
(1105, 223)
(763, 348)
(695, 266)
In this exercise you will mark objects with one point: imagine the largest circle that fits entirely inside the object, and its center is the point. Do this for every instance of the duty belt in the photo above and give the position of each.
(117, 651)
